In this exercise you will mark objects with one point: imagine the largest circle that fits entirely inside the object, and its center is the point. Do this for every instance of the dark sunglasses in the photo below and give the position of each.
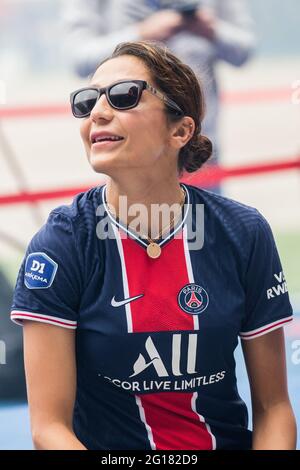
(121, 95)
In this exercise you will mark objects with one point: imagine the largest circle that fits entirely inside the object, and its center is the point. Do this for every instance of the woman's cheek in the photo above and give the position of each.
(85, 132)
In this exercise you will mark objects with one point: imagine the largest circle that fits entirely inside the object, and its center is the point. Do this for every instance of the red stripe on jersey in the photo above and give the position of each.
(175, 426)
(265, 329)
(173, 422)
(160, 280)
(28, 316)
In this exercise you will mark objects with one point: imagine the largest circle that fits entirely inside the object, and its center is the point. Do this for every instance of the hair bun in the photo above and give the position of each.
(196, 153)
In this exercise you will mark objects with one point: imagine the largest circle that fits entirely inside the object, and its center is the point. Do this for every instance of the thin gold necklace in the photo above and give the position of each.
(153, 249)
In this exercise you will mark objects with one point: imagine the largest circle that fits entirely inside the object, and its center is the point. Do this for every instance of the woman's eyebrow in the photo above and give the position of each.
(98, 85)
(95, 85)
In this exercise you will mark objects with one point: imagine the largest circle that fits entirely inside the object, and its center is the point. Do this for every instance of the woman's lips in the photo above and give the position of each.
(105, 144)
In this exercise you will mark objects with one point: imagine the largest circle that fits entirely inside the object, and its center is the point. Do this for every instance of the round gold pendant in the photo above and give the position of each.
(153, 250)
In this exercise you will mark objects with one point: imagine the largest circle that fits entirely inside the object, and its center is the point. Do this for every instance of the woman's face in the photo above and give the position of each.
(145, 132)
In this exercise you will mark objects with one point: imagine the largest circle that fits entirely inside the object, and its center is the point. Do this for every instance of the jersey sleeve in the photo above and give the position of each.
(48, 284)
(267, 305)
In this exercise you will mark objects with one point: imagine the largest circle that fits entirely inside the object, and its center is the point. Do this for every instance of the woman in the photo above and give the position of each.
(158, 310)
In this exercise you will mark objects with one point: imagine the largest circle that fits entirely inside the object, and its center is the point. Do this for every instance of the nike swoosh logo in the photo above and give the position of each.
(118, 303)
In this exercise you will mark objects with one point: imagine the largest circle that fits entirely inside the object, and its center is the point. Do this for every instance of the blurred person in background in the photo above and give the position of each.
(201, 33)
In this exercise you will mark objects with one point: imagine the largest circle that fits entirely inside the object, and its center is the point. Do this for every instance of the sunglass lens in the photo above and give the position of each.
(84, 102)
(124, 95)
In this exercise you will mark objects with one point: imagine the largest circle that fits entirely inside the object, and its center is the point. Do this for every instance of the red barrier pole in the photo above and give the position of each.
(213, 175)
(206, 177)
(242, 97)
(17, 112)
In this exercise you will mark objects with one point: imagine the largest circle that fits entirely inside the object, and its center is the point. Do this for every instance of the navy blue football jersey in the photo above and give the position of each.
(155, 338)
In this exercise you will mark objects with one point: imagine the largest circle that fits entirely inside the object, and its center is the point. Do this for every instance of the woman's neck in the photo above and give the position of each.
(145, 206)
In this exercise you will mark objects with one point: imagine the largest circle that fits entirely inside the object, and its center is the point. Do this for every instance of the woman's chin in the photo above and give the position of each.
(105, 162)
(101, 160)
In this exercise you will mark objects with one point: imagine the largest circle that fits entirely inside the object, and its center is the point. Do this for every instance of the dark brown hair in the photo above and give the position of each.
(177, 81)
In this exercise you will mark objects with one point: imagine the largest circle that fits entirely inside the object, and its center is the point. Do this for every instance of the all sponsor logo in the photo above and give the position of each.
(178, 373)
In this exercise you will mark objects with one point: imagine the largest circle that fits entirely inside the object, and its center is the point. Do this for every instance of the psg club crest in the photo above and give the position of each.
(193, 299)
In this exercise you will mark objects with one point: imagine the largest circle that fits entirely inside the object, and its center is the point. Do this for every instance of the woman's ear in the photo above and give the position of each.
(182, 132)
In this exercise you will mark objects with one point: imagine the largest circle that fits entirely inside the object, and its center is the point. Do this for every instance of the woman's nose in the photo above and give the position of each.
(102, 109)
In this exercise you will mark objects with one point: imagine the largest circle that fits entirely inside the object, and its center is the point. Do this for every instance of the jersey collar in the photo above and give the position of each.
(134, 235)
